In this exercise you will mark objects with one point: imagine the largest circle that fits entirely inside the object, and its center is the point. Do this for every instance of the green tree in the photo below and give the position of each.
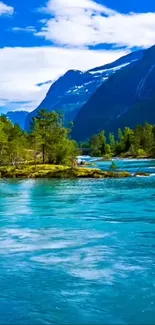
(98, 144)
(112, 143)
(136, 143)
(128, 139)
(95, 146)
(120, 136)
(3, 143)
(119, 145)
(52, 138)
(148, 138)
(108, 150)
(17, 148)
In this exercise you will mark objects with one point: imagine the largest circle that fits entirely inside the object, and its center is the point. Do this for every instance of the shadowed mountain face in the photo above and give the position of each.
(70, 92)
(125, 99)
(17, 117)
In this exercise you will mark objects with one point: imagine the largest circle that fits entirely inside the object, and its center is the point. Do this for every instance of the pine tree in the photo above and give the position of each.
(52, 138)
(112, 143)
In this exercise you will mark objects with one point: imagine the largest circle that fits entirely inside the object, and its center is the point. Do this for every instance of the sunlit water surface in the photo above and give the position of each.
(78, 251)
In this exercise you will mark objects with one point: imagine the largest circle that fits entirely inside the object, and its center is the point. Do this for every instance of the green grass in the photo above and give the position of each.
(55, 171)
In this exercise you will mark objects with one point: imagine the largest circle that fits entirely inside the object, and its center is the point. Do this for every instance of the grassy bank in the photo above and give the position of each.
(54, 171)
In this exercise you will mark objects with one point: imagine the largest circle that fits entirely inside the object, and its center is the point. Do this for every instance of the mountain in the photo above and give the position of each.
(125, 99)
(71, 91)
(17, 117)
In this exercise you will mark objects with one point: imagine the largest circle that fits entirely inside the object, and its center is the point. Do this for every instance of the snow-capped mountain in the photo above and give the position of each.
(71, 91)
(127, 98)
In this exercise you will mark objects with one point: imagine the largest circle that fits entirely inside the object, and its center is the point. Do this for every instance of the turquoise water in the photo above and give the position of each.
(78, 251)
(132, 165)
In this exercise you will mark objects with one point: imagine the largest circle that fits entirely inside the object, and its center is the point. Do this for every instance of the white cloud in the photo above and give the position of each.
(82, 23)
(23, 68)
(75, 24)
(5, 10)
(70, 7)
(28, 29)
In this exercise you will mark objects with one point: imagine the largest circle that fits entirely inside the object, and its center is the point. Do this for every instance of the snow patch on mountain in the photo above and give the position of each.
(71, 91)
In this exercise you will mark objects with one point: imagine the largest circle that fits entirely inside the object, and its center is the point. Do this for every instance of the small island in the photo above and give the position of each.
(58, 171)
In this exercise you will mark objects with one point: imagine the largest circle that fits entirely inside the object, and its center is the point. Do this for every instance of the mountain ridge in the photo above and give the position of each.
(112, 101)
(72, 90)
(17, 117)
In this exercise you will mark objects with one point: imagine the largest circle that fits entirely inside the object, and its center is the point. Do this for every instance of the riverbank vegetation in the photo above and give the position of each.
(48, 150)
(139, 142)
(48, 142)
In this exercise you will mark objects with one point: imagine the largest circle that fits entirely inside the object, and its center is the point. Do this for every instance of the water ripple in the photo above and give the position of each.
(77, 251)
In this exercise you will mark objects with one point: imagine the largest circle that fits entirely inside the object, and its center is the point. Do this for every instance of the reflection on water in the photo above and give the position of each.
(78, 251)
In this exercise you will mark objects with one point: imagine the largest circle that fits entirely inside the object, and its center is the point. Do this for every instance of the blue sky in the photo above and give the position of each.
(41, 39)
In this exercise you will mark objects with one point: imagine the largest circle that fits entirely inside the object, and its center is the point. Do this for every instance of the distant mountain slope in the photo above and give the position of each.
(70, 92)
(123, 61)
(143, 111)
(18, 117)
(126, 94)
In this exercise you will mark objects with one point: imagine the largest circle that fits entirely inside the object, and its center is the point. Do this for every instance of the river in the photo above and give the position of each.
(78, 251)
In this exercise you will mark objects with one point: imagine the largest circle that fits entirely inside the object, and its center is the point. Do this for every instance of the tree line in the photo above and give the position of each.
(139, 142)
(47, 142)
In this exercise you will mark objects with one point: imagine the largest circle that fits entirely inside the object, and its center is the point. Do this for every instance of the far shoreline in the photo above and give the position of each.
(111, 159)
